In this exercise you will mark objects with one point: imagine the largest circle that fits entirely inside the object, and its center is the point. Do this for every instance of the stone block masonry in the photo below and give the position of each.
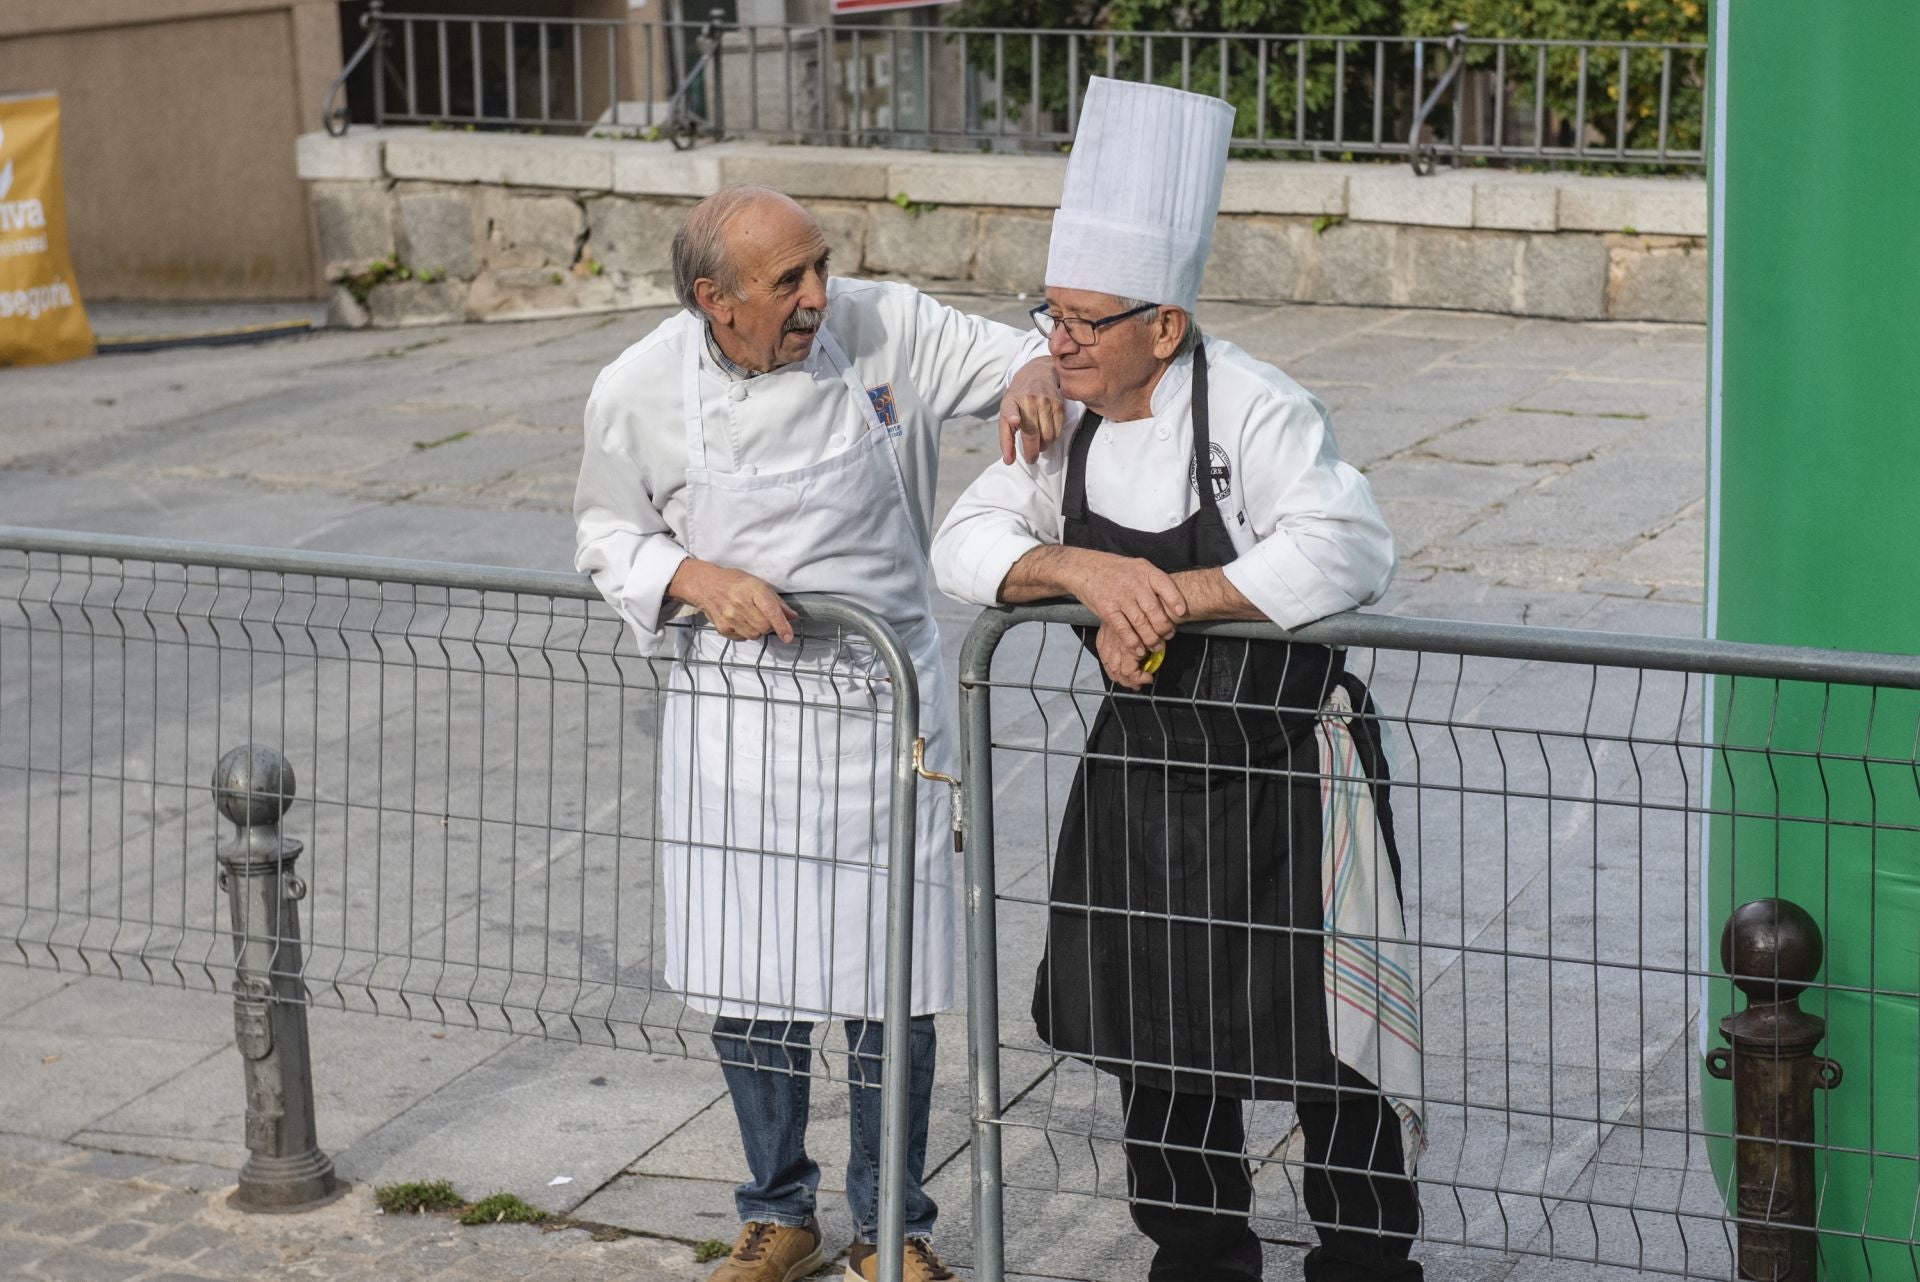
(419, 227)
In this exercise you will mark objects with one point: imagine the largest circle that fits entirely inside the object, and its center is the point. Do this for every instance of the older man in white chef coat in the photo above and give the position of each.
(1198, 946)
(782, 435)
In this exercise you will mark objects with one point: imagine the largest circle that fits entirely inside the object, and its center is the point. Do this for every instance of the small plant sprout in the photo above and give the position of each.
(502, 1208)
(417, 1196)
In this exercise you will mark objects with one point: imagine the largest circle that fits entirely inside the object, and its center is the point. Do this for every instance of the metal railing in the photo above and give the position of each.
(475, 825)
(1319, 96)
(467, 759)
(1576, 814)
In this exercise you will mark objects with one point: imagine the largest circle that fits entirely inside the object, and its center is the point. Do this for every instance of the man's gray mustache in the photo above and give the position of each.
(805, 318)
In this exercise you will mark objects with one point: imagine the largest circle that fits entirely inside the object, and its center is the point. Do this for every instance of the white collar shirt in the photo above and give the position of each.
(1308, 537)
(928, 362)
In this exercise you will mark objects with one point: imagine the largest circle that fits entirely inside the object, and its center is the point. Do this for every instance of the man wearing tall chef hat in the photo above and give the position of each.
(1200, 946)
(781, 434)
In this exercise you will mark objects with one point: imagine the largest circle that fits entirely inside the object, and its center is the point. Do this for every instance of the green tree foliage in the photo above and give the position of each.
(1314, 86)
(1639, 21)
(1246, 34)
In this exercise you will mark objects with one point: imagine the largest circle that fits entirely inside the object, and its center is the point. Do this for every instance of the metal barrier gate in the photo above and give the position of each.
(474, 755)
(1550, 792)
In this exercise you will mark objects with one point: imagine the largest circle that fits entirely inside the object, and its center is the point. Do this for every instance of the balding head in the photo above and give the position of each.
(754, 264)
(701, 247)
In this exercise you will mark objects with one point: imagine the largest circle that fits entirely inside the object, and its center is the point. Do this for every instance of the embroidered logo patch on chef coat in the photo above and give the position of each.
(1219, 473)
(884, 409)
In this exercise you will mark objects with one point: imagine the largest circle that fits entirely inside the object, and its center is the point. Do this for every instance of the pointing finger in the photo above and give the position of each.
(778, 616)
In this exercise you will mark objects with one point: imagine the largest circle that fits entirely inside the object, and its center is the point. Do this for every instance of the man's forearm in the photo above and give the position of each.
(1211, 595)
(1043, 573)
(1056, 571)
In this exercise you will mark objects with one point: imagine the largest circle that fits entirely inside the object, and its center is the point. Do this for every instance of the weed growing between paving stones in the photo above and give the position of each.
(418, 1196)
(437, 1196)
(421, 1196)
(711, 1249)
(502, 1208)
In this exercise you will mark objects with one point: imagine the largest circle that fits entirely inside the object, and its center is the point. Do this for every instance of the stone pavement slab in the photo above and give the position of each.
(364, 1069)
(1535, 472)
(82, 1225)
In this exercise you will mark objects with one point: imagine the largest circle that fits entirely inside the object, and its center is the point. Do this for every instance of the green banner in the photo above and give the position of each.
(1814, 539)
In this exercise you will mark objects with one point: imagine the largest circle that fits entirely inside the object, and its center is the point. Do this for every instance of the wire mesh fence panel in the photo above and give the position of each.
(1447, 900)
(508, 818)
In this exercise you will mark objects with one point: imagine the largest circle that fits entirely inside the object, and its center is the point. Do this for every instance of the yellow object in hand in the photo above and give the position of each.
(1153, 661)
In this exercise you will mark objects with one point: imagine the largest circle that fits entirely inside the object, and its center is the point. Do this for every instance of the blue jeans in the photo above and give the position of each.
(766, 1065)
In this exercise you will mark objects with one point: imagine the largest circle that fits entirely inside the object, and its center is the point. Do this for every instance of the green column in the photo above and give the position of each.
(1814, 539)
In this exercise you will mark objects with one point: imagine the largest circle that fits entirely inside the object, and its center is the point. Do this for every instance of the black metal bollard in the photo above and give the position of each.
(285, 1169)
(1772, 950)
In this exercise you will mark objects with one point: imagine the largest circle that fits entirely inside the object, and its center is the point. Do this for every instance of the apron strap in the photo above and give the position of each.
(696, 332)
(1073, 502)
(831, 347)
(848, 375)
(1210, 516)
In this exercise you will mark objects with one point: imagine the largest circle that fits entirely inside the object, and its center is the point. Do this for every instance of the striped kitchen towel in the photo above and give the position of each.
(1373, 1003)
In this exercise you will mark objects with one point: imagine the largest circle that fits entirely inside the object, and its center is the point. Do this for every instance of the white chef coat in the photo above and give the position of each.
(1310, 541)
(938, 363)
(775, 809)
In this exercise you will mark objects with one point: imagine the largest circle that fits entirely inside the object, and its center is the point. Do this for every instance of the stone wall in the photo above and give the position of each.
(418, 227)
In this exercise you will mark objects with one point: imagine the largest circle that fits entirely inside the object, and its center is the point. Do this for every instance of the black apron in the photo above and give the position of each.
(1184, 932)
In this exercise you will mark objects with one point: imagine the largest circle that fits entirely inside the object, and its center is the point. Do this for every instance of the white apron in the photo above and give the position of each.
(776, 759)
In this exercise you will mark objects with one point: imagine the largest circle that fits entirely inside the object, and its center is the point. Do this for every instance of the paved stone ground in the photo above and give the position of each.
(1534, 471)
(72, 1214)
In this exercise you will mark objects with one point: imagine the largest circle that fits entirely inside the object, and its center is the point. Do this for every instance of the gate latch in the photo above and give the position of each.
(959, 811)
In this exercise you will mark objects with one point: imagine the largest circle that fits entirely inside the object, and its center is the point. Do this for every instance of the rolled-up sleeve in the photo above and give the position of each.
(620, 537)
(1008, 511)
(1321, 544)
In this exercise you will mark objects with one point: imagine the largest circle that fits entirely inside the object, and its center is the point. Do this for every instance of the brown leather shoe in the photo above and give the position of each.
(771, 1253)
(921, 1264)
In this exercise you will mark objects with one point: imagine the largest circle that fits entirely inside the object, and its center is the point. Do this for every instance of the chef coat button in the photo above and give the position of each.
(749, 470)
(737, 392)
(1161, 433)
(837, 440)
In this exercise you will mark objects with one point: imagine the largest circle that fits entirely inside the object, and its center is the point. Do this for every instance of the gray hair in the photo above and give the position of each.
(700, 246)
(1189, 338)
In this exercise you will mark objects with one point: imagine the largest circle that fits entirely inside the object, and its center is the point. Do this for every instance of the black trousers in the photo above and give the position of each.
(1355, 1187)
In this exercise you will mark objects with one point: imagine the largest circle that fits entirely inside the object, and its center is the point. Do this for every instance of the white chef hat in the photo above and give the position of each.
(1142, 190)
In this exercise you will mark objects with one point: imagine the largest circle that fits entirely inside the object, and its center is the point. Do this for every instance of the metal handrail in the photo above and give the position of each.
(1420, 153)
(683, 126)
(1329, 96)
(1357, 628)
(1034, 741)
(310, 1183)
(334, 115)
(1353, 628)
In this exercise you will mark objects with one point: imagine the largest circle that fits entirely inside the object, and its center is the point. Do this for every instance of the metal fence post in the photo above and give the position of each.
(285, 1169)
(983, 945)
(1772, 949)
(718, 114)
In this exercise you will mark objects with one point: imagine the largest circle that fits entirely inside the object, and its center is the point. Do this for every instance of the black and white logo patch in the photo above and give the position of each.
(1219, 473)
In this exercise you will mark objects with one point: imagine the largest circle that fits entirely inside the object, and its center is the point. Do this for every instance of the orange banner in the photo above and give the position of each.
(41, 319)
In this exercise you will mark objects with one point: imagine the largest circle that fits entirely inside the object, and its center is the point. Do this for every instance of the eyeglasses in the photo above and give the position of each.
(1083, 332)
